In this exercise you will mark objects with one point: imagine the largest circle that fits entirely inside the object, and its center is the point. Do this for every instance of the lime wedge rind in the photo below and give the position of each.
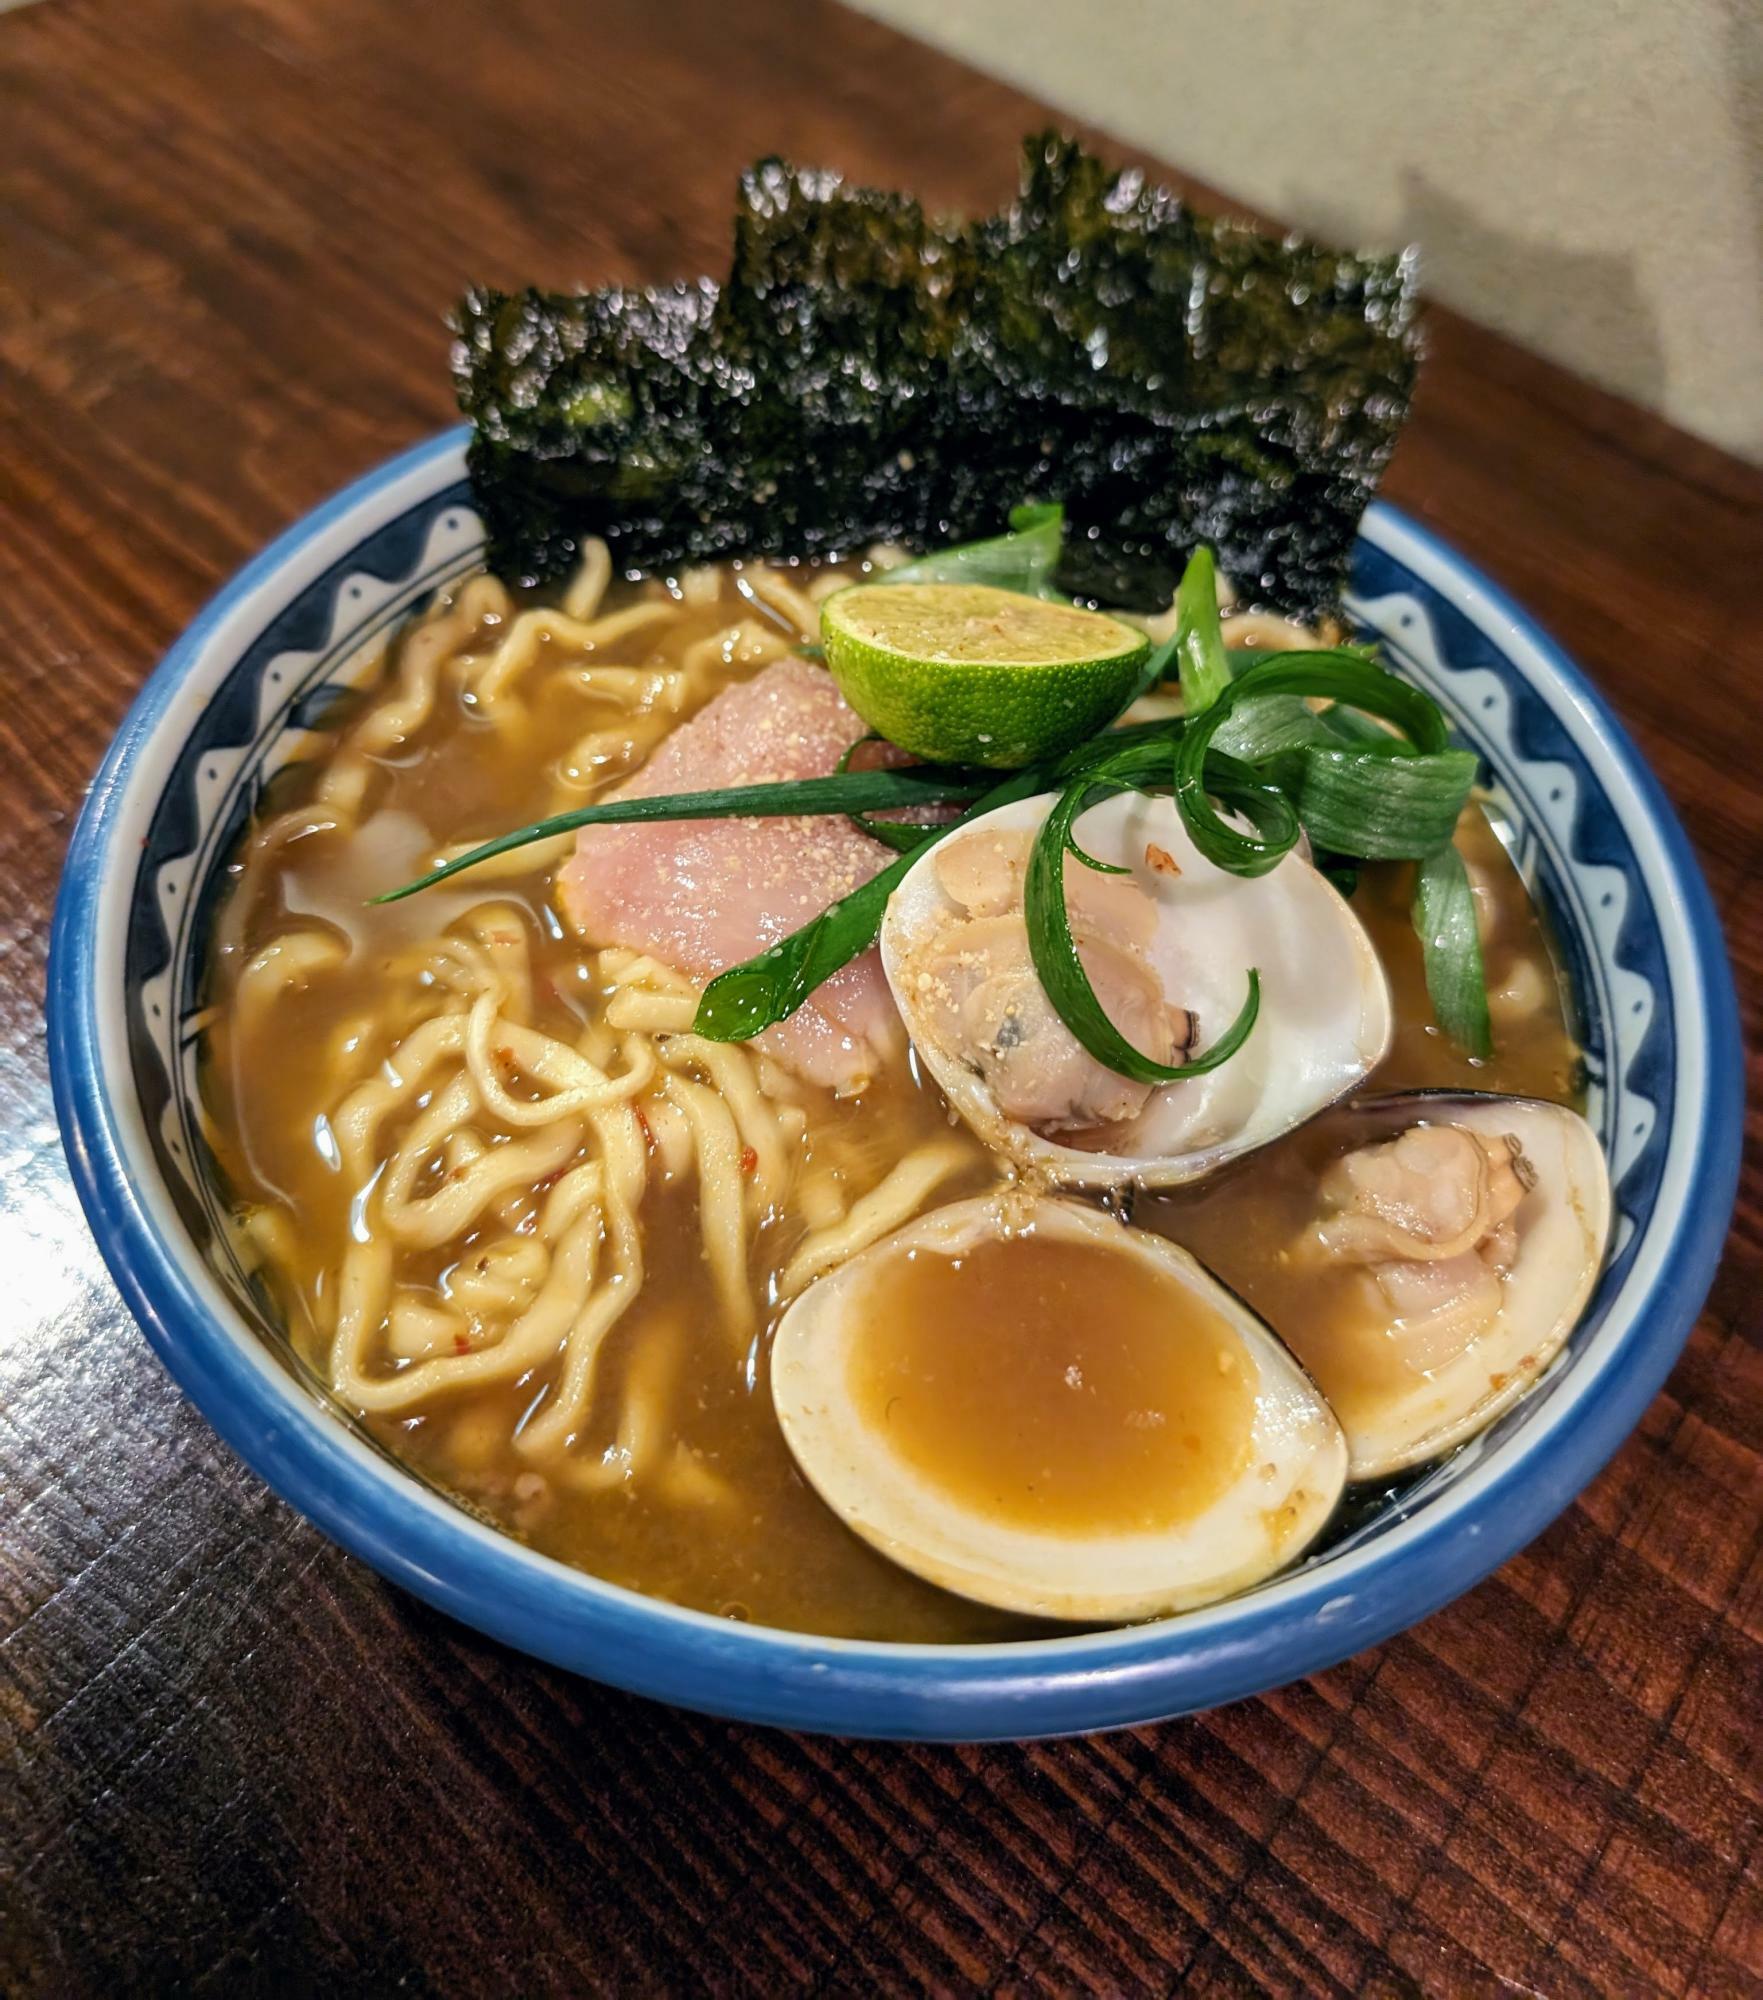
(966, 673)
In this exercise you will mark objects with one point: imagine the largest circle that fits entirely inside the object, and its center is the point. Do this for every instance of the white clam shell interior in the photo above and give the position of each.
(1325, 1017)
(1563, 1228)
(1290, 1479)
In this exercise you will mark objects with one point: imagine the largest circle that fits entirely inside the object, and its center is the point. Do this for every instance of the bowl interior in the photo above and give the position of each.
(231, 708)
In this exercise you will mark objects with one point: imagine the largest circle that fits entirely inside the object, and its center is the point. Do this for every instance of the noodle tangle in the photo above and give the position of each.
(498, 1167)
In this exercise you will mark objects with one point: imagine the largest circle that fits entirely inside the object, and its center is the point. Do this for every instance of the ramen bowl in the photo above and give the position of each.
(1587, 825)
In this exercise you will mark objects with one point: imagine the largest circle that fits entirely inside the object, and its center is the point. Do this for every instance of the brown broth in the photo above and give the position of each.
(1047, 1383)
(1251, 1226)
(1246, 1223)
(767, 1549)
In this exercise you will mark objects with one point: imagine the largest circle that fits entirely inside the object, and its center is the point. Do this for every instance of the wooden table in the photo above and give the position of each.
(238, 1760)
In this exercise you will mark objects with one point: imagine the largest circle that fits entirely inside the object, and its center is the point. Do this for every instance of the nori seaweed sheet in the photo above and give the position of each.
(869, 373)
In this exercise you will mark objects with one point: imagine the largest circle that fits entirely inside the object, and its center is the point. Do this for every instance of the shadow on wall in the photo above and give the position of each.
(1590, 304)
(1594, 295)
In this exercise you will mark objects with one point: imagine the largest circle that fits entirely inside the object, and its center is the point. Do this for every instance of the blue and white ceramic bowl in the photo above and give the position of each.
(1595, 838)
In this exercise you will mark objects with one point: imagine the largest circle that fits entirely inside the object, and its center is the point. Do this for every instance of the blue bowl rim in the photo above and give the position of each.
(1295, 1627)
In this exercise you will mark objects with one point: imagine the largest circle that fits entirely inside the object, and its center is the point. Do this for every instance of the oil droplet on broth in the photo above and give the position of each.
(1054, 1386)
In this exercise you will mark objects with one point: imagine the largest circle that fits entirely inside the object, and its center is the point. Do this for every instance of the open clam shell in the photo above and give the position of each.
(1325, 1018)
(1409, 1384)
(1272, 1475)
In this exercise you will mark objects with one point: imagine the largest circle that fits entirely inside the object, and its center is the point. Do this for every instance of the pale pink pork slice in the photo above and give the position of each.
(703, 895)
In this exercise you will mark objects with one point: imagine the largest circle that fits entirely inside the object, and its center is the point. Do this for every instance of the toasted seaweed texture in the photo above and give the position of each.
(869, 373)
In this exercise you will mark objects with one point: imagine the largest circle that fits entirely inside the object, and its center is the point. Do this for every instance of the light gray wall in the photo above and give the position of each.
(1586, 175)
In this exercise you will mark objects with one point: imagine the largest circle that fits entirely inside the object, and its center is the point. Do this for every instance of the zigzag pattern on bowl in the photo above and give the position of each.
(270, 694)
(1565, 835)
(1538, 803)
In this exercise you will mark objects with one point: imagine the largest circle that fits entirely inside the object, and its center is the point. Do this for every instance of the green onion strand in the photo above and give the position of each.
(1450, 944)
(1252, 765)
(1199, 635)
(1060, 967)
(845, 792)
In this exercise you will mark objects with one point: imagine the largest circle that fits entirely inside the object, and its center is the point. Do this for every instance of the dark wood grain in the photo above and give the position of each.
(239, 1762)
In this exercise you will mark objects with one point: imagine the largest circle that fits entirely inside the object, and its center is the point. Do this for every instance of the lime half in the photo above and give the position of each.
(962, 673)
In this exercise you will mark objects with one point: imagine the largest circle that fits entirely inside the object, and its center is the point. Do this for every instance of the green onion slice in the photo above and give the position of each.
(1450, 943)
(1060, 967)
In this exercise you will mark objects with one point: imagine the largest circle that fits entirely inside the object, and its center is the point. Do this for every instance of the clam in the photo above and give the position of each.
(1455, 1246)
(1026, 1402)
(1168, 946)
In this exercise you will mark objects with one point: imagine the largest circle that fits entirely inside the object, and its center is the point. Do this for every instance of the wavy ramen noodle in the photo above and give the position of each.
(532, 1230)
